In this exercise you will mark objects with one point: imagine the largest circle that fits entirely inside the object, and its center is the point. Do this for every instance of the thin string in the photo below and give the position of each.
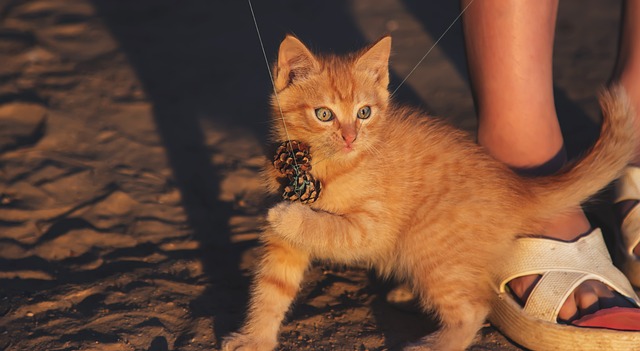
(433, 46)
(273, 83)
(362, 123)
(275, 92)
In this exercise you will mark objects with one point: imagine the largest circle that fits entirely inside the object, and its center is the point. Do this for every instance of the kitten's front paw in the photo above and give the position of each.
(242, 342)
(277, 212)
(418, 347)
(428, 343)
(286, 218)
(440, 341)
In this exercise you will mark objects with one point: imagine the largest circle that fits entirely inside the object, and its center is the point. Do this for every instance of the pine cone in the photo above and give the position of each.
(292, 159)
(303, 187)
(290, 154)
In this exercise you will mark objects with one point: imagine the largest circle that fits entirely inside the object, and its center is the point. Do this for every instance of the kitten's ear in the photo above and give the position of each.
(295, 61)
(376, 60)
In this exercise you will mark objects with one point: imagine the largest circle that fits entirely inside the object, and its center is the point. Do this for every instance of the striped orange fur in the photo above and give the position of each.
(411, 197)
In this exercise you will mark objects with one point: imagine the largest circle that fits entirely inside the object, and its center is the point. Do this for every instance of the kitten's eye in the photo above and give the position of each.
(324, 114)
(364, 112)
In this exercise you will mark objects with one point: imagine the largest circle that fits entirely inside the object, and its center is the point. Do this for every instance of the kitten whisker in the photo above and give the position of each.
(374, 150)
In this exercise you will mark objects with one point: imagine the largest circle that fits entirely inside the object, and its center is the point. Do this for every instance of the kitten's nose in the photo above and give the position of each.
(349, 135)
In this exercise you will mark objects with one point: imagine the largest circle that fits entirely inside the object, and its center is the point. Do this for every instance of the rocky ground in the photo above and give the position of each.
(131, 135)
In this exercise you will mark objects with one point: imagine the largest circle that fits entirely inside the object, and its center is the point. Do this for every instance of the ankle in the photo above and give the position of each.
(566, 226)
(550, 166)
(526, 154)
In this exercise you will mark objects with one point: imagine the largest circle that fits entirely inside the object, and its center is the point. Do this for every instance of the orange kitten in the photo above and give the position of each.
(403, 193)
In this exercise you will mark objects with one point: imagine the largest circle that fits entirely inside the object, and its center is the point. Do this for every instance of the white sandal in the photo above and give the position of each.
(563, 266)
(628, 188)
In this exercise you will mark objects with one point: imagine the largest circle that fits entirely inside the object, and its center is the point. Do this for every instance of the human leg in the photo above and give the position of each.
(509, 50)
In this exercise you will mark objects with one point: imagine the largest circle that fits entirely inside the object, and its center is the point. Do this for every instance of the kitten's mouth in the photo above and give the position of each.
(348, 147)
(349, 141)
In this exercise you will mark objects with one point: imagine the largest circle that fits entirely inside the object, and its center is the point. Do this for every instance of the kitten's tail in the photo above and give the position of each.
(602, 164)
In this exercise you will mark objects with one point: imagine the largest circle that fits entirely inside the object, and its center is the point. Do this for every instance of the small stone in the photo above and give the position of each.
(5, 199)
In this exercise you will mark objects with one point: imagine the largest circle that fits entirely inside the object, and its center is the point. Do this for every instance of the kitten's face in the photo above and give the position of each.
(334, 104)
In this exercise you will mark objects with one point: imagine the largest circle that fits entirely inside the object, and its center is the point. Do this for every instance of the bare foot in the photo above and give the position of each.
(587, 298)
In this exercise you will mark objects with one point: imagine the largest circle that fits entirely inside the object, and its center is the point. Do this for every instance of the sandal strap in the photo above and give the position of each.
(563, 266)
(628, 188)
(630, 230)
(551, 288)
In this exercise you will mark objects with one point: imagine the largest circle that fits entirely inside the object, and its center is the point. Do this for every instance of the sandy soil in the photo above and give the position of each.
(131, 135)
